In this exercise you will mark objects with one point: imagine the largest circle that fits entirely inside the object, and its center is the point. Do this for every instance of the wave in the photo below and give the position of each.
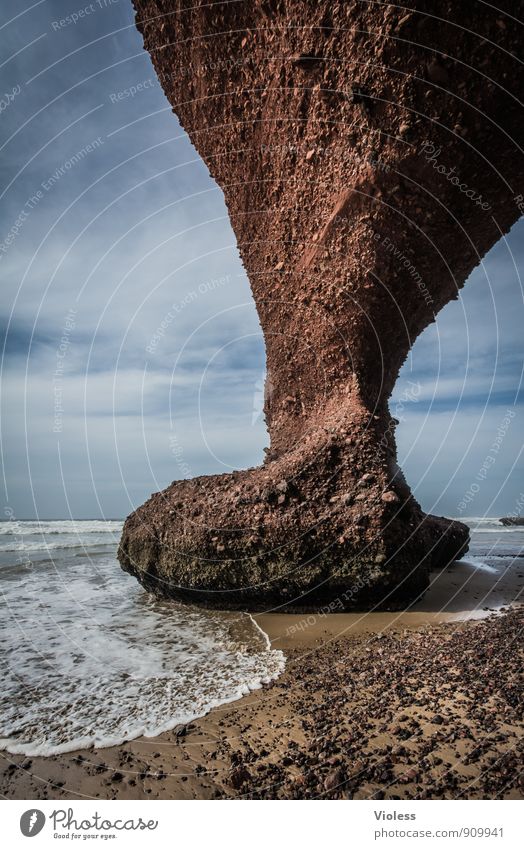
(479, 564)
(99, 662)
(44, 545)
(80, 527)
(478, 519)
(118, 715)
(140, 711)
(490, 553)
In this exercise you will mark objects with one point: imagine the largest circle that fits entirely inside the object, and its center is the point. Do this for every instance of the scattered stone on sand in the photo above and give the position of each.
(434, 713)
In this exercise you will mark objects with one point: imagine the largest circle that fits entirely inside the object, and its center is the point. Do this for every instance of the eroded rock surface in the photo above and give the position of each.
(369, 157)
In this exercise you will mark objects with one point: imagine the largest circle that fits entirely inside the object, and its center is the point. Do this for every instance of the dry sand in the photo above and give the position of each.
(418, 704)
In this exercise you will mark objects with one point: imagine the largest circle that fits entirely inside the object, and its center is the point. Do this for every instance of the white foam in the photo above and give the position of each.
(478, 519)
(49, 546)
(53, 536)
(46, 545)
(78, 528)
(91, 660)
(479, 564)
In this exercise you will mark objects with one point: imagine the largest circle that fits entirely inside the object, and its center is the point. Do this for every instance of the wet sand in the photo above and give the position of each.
(425, 703)
(462, 592)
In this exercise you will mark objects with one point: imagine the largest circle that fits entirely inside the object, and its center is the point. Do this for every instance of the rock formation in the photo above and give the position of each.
(369, 157)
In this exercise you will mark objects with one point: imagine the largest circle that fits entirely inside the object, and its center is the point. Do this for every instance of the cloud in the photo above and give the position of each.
(460, 442)
(126, 251)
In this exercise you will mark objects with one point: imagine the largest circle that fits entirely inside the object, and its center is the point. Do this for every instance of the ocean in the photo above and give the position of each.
(90, 659)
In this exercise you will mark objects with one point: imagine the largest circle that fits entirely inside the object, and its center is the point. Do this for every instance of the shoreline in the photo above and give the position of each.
(373, 716)
(464, 591)
(305, 734)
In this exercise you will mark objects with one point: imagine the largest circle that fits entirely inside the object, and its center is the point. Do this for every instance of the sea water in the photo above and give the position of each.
(89, 658)
(491, 539)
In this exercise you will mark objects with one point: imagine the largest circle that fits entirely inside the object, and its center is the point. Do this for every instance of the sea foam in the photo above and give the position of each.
(91, 660)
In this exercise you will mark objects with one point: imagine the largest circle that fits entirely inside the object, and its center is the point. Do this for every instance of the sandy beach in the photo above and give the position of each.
(421, 704)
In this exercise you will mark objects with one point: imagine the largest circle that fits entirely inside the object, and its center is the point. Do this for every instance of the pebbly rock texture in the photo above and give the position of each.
(369, 158)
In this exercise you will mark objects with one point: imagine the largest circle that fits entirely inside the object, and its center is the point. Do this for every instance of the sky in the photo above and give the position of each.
(132, 352)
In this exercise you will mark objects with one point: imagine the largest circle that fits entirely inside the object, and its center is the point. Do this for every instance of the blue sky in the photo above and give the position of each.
(133, 353)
